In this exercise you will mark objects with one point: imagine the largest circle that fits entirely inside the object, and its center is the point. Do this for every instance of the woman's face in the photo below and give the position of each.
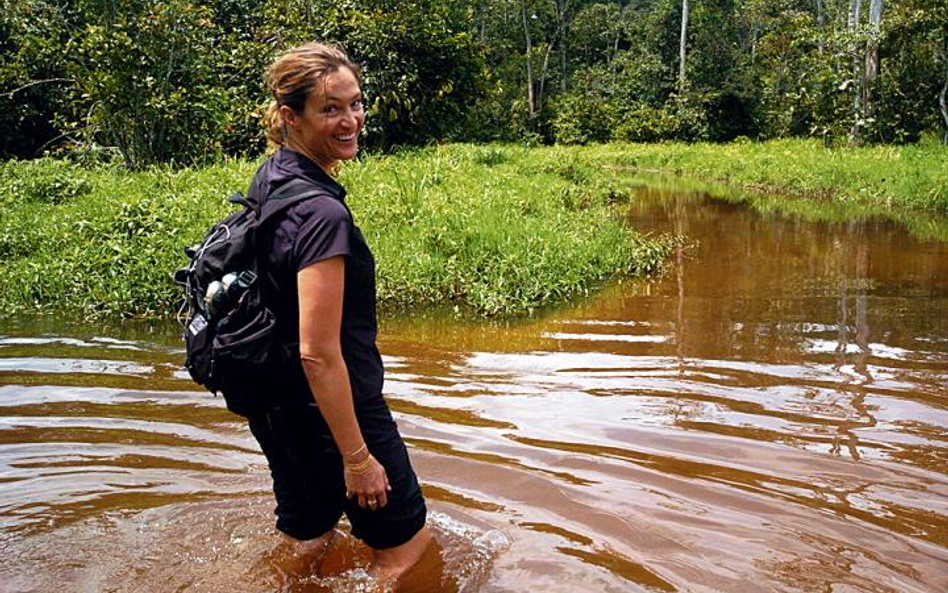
(328, 129)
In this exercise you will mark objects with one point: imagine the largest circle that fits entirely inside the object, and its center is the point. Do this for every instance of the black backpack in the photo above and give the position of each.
(229, 329)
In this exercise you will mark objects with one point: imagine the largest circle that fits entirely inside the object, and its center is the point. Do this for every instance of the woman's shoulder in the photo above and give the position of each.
(322, 208)
(286, 167)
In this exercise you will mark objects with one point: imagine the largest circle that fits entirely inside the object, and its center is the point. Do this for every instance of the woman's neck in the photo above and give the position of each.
(327, 167)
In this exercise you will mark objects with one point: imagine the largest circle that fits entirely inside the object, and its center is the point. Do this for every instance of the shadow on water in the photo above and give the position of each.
(771, 414)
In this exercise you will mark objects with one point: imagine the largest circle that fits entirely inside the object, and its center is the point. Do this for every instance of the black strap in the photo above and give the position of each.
(293, 187)
(295, 190)
(290, 193)
(238, 198)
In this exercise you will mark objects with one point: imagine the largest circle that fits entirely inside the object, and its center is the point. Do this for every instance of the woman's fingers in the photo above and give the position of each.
(370, 489)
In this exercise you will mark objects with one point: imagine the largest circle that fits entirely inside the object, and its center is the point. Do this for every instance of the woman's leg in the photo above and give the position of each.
(295, 558)
(391, 564)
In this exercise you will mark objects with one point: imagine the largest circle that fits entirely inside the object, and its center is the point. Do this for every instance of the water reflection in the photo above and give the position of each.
(771, 414)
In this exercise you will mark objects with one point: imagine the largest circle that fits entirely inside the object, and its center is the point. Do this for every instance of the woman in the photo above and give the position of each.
(331, 443)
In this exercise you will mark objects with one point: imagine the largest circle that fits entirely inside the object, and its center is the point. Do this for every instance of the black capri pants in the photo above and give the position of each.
(308, 481)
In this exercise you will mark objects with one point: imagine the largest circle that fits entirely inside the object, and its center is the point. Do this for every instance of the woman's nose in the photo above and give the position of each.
(351, 118)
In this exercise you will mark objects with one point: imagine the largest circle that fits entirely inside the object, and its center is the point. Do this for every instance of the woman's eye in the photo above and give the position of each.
(357, 105)
(330, 109)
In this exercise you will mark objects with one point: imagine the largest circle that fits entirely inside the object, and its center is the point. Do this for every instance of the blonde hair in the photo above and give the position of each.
(293, 77)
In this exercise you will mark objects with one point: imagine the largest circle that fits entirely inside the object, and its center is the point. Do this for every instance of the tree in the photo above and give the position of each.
(942, 103)
(146, 78)
(867, 66)
(33, 34)
(421, 69)
(905, 93)
(528, 42)
(682, 45)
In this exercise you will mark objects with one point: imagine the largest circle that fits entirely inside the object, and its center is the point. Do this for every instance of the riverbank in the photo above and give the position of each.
(801, 177)
(491, 231)
(913, 177)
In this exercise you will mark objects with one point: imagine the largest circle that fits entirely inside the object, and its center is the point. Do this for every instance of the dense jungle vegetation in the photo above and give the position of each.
(154, 81)
(147, 113)
(487, 230)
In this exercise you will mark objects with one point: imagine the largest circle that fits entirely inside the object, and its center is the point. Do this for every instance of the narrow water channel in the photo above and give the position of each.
(770, 415)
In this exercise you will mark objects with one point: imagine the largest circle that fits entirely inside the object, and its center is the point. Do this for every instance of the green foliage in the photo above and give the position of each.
(421, 68)
(147, 80)
(110, 250)
(889, 179)
(494, 230)
(623, 102)
(42, 181)
(162, 81)
(914, 46)
(32, 74)
(500, 230)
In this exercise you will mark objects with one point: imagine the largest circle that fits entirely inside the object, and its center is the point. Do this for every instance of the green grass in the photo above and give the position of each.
(490, 230)
(893, 177)
(908, 184)
(493, 231)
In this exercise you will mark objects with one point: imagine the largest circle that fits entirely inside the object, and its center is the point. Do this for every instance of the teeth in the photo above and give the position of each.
(345, 138)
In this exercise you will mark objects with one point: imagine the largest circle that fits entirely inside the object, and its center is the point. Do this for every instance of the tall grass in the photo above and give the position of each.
(891, 179)
(499, 229)
(491, 230)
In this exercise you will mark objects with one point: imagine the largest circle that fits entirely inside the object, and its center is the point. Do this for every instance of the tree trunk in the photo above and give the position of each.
(944, 91)
(944, 107)
(855, 6)
(615, 49)
(543, 73)
(482, 28)
(755, 32)
(858, 72)
(872, 51)
(682, 45)
(561, 8)
(870, 70)
(531, 106)
(820, 21)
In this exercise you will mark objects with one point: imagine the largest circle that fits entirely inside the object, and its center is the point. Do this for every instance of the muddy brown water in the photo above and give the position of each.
(770, 415)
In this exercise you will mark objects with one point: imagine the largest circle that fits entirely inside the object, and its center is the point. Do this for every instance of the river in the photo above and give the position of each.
(771, 414)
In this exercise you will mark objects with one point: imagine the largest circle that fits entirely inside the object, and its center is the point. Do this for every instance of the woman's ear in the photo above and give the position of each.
(288, 116)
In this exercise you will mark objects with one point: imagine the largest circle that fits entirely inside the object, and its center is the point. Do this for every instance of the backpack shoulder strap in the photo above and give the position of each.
(238, 198)
(290, 193)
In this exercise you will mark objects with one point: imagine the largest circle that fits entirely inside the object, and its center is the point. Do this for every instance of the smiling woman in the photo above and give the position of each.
(327, 130)
(329, 437)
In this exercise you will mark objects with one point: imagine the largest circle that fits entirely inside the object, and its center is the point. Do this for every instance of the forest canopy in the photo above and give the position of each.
(150, 81)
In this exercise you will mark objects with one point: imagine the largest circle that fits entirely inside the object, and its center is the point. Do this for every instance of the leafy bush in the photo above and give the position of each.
(43, 181)
(32, 75)
(147, 79)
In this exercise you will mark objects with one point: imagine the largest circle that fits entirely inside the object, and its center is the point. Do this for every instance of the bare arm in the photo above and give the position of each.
(320, 289)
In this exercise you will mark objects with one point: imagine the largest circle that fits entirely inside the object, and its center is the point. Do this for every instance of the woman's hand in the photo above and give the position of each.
(367, 481)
